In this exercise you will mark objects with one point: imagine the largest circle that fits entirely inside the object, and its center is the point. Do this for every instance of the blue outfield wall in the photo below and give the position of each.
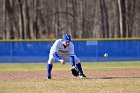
(86, 50)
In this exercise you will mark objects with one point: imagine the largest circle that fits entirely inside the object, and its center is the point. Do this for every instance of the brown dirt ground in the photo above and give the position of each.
(68, 75)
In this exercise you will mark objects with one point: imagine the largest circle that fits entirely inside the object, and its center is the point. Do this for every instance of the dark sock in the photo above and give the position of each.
(49, 69)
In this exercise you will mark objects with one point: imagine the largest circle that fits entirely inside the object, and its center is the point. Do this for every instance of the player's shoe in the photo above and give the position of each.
(49, 77)
(83, 76)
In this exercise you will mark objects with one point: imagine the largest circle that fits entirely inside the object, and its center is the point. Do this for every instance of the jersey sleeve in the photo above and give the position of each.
(55, 47)
(54, 50)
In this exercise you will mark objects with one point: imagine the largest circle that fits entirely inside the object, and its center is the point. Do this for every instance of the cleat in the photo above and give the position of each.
(82, 76)
(49, 77)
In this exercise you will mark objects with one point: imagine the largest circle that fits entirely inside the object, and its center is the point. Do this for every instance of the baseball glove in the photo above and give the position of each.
(75, 72)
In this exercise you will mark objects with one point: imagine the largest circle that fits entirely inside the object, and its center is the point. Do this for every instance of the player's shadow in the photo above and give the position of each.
(114, 77)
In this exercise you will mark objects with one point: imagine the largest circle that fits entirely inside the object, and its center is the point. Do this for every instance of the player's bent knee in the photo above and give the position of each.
(50, 61)
(77, 61)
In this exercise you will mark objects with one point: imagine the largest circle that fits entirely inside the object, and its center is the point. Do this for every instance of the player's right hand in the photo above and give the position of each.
(62, 61)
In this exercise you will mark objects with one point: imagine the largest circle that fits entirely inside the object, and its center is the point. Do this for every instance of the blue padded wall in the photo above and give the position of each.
(86, 50)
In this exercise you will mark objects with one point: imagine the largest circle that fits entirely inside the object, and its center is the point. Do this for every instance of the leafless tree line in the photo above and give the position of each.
(45, 19)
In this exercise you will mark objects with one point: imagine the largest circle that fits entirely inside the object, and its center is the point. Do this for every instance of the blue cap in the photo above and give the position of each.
(67, 38)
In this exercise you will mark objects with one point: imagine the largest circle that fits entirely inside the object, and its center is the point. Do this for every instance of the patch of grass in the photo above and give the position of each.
(96, 66)
(4, 67)
(125, 85)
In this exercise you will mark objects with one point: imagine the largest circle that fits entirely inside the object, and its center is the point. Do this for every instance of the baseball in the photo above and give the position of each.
(106, 55)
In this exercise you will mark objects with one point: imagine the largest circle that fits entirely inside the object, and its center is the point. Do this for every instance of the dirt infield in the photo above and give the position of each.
(68, 75)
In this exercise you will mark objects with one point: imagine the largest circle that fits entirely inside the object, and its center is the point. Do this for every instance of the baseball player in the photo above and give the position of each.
(63, 50)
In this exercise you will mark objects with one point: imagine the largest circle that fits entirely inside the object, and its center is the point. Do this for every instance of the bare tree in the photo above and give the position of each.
(43, 19)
